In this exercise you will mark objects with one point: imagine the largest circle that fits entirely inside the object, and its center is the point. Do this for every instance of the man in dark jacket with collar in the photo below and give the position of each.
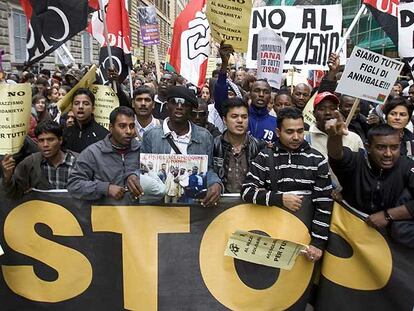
(107, 168)
(187, 137)
(379, 178)
(235, 149)
(294, 176)
(86, 130)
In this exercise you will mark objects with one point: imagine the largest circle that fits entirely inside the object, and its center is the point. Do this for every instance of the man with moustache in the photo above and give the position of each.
(107, 168)
(325, 105)
(178, 135)
(295, 176)
(143, 104)
(47, 169)
(375, 181)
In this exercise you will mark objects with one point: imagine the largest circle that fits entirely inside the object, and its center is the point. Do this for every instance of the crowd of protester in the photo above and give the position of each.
(257, 141)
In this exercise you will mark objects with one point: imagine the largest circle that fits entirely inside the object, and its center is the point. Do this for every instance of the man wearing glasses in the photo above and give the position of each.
(178, 135)
(199, 116)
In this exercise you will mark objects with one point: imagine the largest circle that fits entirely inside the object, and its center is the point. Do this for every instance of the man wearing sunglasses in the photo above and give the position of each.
(199, 116)
(178, 135)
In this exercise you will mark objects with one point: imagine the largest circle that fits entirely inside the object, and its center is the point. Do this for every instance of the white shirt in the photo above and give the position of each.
(141, 130)
(180, 141)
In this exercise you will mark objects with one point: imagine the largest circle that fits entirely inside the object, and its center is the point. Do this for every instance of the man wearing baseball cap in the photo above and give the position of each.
(324, 107)
(177, 135)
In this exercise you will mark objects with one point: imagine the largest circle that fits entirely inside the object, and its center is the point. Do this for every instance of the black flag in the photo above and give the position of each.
(51, 23)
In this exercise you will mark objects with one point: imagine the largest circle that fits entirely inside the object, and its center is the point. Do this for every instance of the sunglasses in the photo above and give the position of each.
(199, 113)
(181, 101)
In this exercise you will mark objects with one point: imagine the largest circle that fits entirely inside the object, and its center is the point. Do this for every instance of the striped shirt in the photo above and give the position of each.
(58, 176)
(303, 172)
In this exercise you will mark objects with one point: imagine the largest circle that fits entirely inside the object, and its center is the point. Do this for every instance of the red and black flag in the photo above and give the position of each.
(385, 13)
(119, 37)
(50, 23)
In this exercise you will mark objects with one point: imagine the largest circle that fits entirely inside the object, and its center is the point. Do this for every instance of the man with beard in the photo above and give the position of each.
(324, 108)
(376, 181)
(85, 130)
(294, 176)
(160, 110)
(47, 169)
(178, 135)
(107, 168)
(261, 124)
(143, 104)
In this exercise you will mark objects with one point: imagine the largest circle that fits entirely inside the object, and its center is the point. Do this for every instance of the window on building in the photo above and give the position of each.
(86, 48)
(18, 36)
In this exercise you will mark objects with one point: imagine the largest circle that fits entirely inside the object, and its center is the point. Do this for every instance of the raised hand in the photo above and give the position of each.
(225, 51)
(336, 126)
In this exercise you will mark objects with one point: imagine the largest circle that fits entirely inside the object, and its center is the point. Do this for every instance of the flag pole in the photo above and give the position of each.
(351, 27)
(131, 89)
(108, 46)
(157, 62)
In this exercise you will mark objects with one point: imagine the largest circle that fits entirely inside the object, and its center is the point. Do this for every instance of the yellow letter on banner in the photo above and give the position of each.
(74, 269)
(219, 272)
(140, 226)
(370, 266)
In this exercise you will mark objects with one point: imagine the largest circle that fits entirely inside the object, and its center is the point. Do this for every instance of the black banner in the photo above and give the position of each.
(64, 254)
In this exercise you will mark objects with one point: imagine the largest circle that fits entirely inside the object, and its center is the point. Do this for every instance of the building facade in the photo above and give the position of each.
(84, 49)
(13, 33)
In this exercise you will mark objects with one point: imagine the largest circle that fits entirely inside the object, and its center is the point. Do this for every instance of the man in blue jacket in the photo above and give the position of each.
(261, 124)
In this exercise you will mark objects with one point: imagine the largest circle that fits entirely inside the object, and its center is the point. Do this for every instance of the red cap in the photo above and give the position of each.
(325, 95)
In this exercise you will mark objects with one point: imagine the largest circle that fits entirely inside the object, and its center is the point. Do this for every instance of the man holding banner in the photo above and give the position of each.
(294, 176)
(379, 182)
(47, 169)
(106, 168)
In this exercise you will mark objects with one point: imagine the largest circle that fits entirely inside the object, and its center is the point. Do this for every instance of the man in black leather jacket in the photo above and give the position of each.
(235, 149)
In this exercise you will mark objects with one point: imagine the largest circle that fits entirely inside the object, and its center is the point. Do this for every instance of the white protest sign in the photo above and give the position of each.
(369, 75)
(106, 100)
(15, 108)
(406, 29)
(271, 56)
(311, 33)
